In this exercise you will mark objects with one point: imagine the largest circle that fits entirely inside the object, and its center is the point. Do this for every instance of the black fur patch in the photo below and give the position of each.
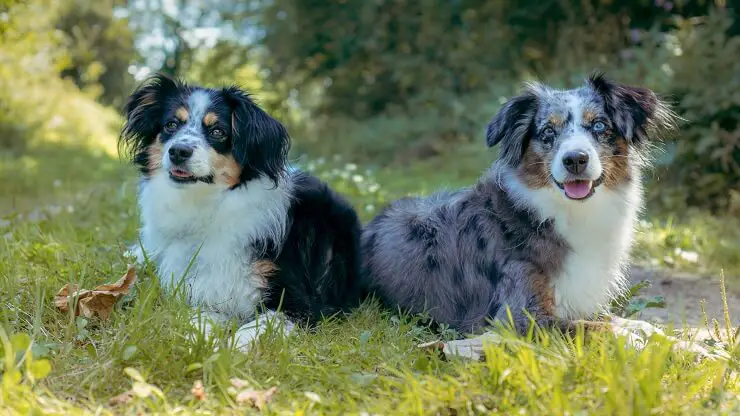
(320, 258)
(631, 108)
(512, 127)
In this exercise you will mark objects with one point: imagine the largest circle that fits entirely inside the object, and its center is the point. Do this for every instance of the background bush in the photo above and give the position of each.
(383, 82)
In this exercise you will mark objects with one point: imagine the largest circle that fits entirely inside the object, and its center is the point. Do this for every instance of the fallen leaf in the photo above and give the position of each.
(122, 398)
(198, 391)
(256, 398)
(99, 301)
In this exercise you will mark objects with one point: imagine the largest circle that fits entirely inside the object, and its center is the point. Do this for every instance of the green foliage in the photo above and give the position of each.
(706, 165)
(685, 54)
(631, 303)
(374, 56)
(35, 104)
(99, 48)
(696, 242)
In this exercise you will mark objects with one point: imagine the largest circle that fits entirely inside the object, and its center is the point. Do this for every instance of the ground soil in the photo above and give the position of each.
(683, 294)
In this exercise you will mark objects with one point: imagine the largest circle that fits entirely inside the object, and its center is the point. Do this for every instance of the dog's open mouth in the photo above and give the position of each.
(182, 176)
(579, 189)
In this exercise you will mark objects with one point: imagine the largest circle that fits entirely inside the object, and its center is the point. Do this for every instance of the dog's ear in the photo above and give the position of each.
(260, 143)
(637, 112)
(512, 126)
(144, 112)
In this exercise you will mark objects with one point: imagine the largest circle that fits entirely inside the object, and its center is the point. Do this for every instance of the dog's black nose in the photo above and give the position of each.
(575, 162)
(179, 153)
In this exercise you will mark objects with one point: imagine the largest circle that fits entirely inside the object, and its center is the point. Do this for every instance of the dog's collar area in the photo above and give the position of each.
(594, 184)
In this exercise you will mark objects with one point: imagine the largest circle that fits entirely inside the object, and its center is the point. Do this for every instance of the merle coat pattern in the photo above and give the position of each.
(534, 236)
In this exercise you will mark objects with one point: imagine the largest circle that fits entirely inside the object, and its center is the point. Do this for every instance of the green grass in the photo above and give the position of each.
(366, 363)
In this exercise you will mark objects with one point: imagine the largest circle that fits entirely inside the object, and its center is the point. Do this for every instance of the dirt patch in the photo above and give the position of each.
(683, 294)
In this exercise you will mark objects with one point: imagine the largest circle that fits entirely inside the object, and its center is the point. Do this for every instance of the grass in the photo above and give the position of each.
(54, 363)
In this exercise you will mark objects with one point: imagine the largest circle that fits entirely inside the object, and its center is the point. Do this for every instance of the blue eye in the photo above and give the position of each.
(599, 127)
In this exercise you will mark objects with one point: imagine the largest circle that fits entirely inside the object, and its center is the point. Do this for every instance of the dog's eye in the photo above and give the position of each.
(218, 134)
(599, 127)
(549, 132)
(170, 126)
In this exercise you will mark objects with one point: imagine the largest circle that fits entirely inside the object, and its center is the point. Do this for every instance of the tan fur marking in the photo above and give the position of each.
(588, 116)
(555, 120)
(615, 162)
(210, 119)
(154, 156)
(182, 114)
(264, 270)
(225, 169)
(533, 170)
(541, 287)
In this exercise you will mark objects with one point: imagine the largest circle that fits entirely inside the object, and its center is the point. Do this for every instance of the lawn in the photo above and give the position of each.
(68, 213)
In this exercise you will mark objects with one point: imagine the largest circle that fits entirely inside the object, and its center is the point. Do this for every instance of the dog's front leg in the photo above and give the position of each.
(248, 333)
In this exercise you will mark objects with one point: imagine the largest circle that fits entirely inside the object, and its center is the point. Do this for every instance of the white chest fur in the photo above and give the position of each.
(211, 230)
(599, 232)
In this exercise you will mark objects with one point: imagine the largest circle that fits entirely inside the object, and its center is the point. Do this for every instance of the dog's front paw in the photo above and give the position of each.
(249, 333)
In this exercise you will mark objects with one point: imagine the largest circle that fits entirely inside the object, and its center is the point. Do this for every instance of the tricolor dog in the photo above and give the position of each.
(223, 217)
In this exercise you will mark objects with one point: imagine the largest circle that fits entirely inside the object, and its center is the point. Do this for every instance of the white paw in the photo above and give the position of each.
(205, 322)
(248, 333)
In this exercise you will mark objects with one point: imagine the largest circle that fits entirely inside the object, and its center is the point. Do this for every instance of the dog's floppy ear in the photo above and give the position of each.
(636, 111)
(512, 125)
(144, 112)
(260, 143)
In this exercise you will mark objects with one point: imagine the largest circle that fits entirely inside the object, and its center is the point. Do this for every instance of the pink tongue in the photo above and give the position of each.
(577, 189)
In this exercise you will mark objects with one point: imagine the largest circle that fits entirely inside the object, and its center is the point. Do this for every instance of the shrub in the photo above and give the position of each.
(35, 103)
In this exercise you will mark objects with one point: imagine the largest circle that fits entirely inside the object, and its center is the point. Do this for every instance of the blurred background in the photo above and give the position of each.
(382, 97)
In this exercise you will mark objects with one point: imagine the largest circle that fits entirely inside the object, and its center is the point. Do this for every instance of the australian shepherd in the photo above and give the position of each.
(223, 217)
(545, 233)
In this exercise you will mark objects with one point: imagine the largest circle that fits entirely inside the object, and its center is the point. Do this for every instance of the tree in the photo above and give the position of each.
(100, 48)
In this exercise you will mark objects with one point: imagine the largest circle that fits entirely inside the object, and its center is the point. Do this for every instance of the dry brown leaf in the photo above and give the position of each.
(99, 301)
(256, 398)
(122, 398)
